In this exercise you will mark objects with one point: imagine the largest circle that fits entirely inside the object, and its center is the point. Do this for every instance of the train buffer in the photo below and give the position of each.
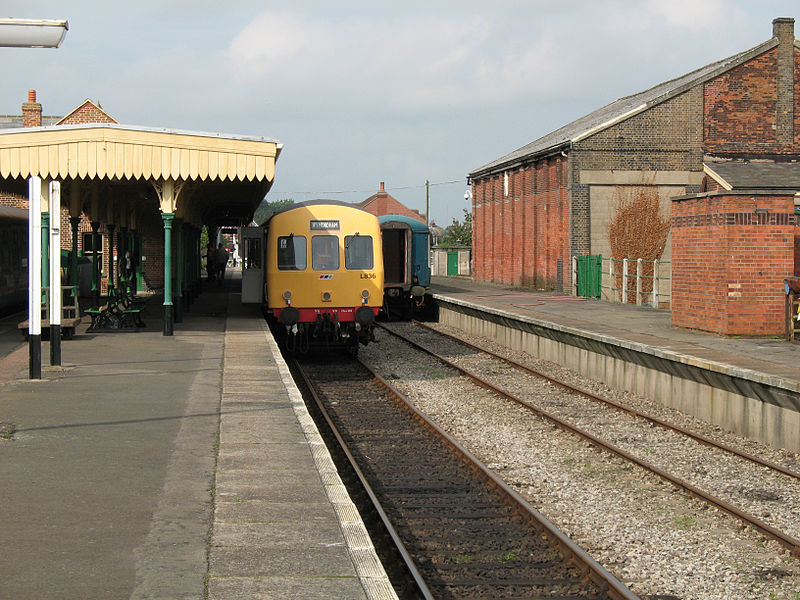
(70, 317)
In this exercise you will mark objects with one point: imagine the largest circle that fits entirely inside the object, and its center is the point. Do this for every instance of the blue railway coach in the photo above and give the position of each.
(407, 272)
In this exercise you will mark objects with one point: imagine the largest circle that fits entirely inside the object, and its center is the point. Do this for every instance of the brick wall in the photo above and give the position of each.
(520, 237)
(88, 112)
(730, 256)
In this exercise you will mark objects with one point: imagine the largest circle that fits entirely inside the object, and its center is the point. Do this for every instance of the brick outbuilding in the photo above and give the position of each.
(382, 203)
(537, 207)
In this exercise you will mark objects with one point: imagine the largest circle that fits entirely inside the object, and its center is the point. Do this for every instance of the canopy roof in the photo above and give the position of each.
(228, 174)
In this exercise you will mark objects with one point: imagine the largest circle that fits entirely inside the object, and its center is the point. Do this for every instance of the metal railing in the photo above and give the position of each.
(629, 281)
(637, 281)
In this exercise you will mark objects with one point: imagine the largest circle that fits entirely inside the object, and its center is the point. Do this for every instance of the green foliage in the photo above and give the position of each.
(458, 234)
(266, 209)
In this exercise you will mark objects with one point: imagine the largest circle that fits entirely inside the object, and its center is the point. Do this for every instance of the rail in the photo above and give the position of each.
(792, 544)
(591, 571)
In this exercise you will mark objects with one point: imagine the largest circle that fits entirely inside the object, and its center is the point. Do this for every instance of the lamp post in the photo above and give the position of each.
(36, 33)
(32, 33)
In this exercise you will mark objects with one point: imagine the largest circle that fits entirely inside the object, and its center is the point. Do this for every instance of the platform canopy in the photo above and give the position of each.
(210, 178)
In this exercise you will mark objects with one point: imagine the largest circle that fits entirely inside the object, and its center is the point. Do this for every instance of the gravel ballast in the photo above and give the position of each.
(654, 537)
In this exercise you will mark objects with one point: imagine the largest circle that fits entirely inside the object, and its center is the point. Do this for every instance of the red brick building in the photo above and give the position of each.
(384, 204)
(537, 207)
(733, 245)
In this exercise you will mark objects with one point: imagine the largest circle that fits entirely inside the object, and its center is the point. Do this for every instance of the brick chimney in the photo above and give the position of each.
(783, 29)
(382, 191)
(31, 111)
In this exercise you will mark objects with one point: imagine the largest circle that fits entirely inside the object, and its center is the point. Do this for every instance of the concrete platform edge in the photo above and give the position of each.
(359, 545)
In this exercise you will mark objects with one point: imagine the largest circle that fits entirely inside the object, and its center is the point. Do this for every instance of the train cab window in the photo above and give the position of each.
(292, 253)
(358, 252)
(325, 252)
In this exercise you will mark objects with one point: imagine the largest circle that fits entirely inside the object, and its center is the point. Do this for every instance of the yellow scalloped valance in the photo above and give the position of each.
(110, 151)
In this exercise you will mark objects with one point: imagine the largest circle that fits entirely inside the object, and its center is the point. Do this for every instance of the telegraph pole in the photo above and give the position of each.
(427, 202)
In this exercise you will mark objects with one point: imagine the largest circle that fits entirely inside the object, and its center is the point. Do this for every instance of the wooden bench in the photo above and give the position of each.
(70, 319)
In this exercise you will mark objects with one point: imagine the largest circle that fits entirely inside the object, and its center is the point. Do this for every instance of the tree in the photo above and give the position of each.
(458, 234)
(266, 209)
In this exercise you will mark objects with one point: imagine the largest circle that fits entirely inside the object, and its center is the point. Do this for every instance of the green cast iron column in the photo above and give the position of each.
(179, 274)
(168, 306)
(73, 266)
(45, 249)
(95, 270)
(111, 266)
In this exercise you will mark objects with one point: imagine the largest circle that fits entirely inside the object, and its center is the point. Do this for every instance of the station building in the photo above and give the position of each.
(143, 189)
(555, 198)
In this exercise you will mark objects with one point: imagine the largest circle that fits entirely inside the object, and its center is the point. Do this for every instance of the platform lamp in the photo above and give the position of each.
(34, 33)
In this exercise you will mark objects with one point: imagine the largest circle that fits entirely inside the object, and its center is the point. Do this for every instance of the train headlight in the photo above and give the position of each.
(364, 296)
(326, 296)
(287, 296)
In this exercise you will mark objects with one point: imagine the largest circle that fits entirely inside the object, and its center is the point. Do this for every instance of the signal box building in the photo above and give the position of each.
(538, 206)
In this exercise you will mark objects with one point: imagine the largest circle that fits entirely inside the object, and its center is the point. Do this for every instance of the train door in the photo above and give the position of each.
(253, 264)
(394, 256)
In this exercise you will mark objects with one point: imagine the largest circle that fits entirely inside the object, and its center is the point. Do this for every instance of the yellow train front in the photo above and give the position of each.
(324, 274)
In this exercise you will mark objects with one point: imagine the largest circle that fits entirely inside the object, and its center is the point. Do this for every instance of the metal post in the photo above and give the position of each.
(624, 280)
(112, 259)
(179, 274)
(655, 284)
(73, 267)
(55, 273)
(95, 270)
(34, 278)
(45, 243)
(638, 281)
(168, 307)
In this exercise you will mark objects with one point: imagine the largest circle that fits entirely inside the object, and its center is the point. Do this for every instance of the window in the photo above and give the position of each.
(325, 252)
(88, 244)
(252, 253)
(292, 253)
(358, 252)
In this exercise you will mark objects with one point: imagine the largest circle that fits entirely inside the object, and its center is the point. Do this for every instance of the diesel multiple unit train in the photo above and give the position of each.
(326, 270)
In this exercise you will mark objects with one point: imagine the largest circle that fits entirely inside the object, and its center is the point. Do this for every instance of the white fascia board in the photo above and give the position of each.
(609, 123)
(717, 177)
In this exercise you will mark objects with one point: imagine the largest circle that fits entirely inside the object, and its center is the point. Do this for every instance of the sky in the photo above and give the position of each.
(365, 92)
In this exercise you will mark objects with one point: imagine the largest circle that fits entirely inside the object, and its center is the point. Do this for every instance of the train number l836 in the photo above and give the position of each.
(368, 276)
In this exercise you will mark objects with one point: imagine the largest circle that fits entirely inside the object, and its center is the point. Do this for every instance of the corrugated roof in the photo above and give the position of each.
(620, 110)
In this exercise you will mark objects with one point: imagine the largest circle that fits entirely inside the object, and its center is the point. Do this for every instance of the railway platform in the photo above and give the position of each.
(750, 386)
(173, 467)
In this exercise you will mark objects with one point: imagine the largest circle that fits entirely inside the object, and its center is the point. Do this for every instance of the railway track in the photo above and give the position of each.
(462, 532)
(501, 376)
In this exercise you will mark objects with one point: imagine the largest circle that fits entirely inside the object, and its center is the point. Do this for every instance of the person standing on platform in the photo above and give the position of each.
(222, 261)
(211, 262)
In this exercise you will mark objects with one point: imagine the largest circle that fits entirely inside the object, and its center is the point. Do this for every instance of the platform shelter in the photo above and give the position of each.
(136, 180)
